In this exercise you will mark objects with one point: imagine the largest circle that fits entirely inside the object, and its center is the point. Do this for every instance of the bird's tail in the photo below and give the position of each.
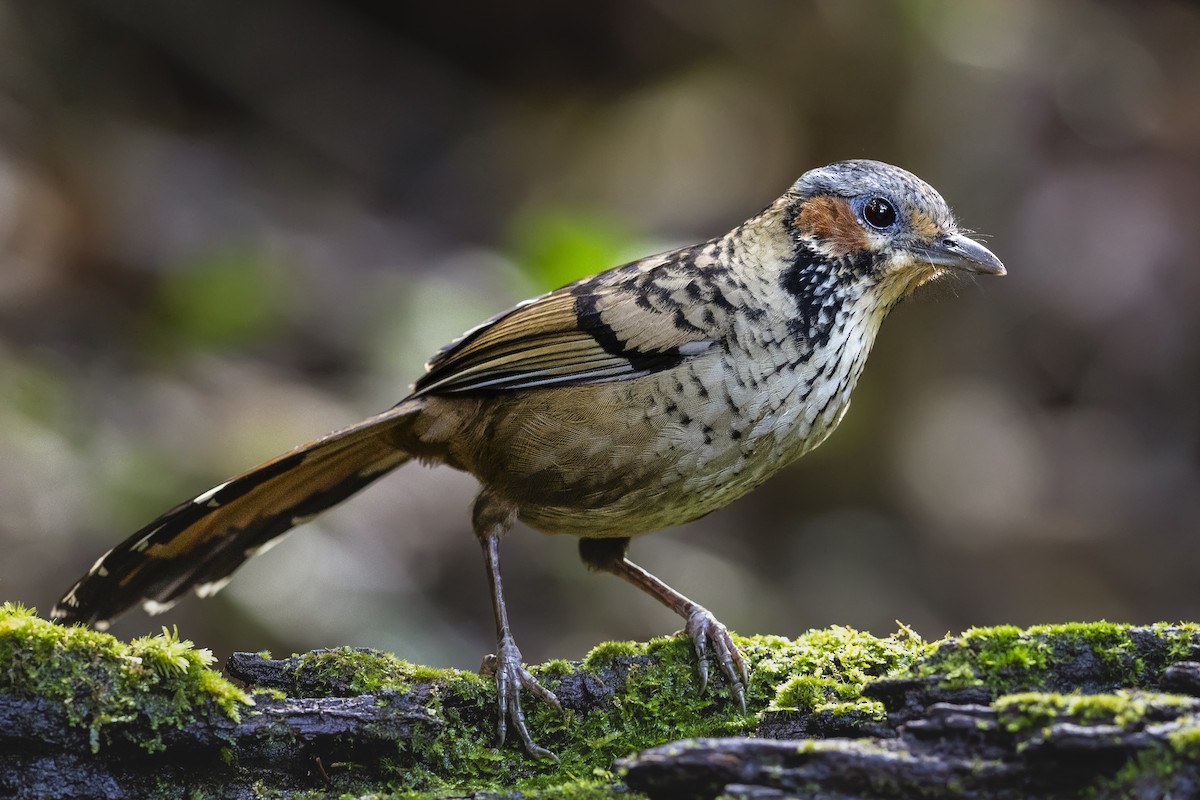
(199, 543)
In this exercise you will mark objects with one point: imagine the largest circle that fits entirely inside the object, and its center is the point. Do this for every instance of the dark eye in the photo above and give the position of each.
(879, 213)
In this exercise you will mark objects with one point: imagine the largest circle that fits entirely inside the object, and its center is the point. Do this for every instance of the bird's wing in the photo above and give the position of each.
(601, 329)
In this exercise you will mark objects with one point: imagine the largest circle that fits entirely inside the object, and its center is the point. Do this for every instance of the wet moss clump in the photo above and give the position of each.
(104, 684)
(1089, 657)
(824, 671)
(355, 671)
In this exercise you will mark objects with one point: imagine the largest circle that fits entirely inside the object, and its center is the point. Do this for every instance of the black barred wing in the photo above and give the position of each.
(600, 329)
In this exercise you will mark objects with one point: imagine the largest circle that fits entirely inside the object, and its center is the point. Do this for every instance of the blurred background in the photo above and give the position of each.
(229, 227)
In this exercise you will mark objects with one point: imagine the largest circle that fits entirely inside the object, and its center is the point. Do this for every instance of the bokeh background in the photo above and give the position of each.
(228, 227)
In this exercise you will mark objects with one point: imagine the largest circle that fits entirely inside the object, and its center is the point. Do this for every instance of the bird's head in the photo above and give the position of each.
(882, 225)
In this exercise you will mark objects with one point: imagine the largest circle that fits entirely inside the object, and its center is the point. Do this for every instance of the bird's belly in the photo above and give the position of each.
(630, 457)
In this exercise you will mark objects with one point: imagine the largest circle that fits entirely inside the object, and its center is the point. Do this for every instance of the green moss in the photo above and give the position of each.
(1186, 741)
(1005, 649)
(602, 655)
(1006, 659)
(655, 695)
(825, 670)
(863, 707)
(367, 672)
(658, 700)
(1030, 711)
(1110, 642)
(1183, 641)
(103, 683)
(557, 667)
(802, 693)
(1151, 770)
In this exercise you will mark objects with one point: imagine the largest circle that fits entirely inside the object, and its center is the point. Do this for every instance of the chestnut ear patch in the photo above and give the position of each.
(831, 223)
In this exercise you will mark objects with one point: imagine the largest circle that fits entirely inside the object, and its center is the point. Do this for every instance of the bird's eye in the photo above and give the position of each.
(879, 213)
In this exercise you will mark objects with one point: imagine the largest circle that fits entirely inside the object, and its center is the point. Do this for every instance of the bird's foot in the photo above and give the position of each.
(706, 630)
(511, 676)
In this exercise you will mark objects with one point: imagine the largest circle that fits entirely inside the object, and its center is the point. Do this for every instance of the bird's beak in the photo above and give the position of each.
(956, 251)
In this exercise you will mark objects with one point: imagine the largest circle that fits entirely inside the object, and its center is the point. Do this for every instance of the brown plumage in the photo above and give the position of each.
(638, 398)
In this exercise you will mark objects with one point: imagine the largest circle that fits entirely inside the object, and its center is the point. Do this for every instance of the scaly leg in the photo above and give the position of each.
(493, 518)
(608, 555)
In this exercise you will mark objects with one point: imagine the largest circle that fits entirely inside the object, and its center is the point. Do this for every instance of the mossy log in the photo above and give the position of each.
(1097, 710)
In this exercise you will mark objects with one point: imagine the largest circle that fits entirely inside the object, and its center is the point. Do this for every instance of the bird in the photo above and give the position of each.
(642, 397)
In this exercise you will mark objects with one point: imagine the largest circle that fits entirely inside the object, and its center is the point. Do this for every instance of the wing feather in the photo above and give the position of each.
(588, 332)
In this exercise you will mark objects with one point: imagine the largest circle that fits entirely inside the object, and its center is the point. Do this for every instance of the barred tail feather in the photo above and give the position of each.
(199, 543)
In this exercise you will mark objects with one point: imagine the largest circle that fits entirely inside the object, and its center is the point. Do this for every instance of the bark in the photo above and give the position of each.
(1001, 713)
(950, 744)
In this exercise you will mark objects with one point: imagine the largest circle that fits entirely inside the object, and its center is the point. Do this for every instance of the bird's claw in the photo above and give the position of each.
(511, 676)
(705, 629)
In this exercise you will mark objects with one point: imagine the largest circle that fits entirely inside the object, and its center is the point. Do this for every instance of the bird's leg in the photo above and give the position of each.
(608, 555)
(493, 518)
